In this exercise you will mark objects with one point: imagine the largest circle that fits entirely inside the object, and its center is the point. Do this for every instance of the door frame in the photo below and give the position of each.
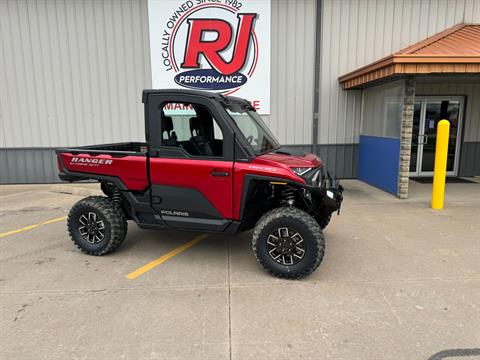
(201, 212)
(421, 126)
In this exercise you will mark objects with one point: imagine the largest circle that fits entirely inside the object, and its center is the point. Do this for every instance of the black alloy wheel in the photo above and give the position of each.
(91, 227)
(285, 246)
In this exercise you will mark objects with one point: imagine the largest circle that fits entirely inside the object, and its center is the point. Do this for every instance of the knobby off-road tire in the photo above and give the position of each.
(323, 219)
(97, 225)
(302, 228)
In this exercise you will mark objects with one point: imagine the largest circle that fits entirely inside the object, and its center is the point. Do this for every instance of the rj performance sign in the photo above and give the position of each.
(216, 45)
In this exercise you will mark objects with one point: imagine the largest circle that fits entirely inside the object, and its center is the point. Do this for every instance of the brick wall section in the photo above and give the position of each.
(406, 138)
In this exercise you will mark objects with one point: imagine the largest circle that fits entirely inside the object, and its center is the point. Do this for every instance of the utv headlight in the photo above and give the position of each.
(300, 170)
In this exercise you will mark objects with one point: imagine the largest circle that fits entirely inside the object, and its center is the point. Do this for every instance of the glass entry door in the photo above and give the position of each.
(427, 112)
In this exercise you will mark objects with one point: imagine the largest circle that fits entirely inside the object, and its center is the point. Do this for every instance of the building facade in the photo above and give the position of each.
(72, 72)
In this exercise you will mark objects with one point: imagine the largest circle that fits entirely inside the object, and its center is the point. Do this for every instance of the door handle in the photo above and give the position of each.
(219, 173)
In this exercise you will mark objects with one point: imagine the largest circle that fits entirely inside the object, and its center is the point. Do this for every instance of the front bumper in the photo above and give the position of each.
(326, 190)
(332, 193)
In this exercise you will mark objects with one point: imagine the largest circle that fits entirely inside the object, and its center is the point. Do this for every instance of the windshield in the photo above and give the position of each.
(253, 128)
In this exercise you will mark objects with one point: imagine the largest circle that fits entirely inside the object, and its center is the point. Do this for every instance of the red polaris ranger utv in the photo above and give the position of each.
(209, 164)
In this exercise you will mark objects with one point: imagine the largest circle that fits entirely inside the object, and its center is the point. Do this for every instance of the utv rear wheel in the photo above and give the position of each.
(97, 225)
(288, 243)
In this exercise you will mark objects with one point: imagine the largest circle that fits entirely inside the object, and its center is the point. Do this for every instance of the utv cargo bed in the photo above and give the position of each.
(126, 162)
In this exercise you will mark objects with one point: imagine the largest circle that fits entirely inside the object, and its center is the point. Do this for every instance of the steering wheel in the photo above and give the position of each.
(250, 139)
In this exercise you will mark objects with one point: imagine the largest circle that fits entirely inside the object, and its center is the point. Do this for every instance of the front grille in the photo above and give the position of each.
(324, 176)
(314, 177)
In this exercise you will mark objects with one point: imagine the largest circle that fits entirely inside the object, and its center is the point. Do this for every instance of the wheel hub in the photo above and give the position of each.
(91, 228)
(285, 246)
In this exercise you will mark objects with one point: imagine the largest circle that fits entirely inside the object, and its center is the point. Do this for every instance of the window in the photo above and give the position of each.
(382, 110)
(191, 127)
(253, 128)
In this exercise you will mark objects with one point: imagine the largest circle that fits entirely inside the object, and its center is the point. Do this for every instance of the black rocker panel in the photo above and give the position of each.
(186, 208)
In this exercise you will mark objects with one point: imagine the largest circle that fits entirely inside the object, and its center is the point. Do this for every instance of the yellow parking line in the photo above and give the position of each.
(142, 270)
(30, 227)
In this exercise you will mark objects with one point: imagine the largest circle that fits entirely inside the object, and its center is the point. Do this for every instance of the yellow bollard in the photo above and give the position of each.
(440, 170)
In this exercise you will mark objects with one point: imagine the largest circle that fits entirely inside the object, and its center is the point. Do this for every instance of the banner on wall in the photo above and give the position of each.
(216, 45)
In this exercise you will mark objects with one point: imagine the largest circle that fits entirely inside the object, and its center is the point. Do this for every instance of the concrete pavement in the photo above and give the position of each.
(399, 281)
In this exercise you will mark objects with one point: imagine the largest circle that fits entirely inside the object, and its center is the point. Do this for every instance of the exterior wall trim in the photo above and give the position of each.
(413, 67)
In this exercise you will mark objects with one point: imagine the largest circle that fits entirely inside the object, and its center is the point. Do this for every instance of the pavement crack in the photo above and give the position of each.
(385, 300)
(30, 210)
(114, 290)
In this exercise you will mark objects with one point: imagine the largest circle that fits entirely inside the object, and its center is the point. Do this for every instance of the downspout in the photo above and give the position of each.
(316, 85)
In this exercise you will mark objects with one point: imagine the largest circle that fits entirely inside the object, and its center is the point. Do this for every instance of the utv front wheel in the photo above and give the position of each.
(288, 243)
(97, 225)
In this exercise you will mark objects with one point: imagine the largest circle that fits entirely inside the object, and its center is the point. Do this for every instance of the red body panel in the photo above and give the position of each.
(131, 170)
(278, 159)
(271, 165)
(196, 174)
(225, 193)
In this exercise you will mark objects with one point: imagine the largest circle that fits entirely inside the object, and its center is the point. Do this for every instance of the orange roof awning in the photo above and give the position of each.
(453, 51)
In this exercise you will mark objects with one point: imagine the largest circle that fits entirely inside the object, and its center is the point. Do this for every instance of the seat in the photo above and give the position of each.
(198, 141)
(167, 127)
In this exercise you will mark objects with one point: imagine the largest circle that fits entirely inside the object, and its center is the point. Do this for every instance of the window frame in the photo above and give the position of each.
(156, 142)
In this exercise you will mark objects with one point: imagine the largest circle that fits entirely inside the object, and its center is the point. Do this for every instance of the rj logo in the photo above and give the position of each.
(211, 49)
